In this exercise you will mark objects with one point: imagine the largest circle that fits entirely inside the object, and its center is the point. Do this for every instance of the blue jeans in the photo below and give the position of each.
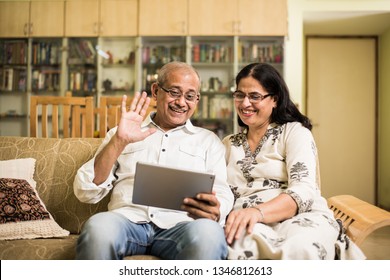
(112, 236)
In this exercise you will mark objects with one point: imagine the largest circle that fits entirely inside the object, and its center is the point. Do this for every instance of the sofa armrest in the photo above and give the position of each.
(359, 218)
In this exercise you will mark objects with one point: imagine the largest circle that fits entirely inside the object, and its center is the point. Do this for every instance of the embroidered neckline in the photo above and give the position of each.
(248, 162)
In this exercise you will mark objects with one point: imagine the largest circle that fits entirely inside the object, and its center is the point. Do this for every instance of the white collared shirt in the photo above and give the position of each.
(186, 146)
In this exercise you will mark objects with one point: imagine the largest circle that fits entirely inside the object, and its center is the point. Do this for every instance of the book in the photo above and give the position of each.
(8, 79)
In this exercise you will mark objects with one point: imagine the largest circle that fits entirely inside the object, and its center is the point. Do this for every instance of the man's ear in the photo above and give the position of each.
(154, 90)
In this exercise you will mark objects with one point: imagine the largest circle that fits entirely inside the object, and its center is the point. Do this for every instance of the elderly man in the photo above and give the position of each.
(166, 137)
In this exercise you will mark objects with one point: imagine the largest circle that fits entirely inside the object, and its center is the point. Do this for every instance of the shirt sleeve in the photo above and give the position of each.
(301, 165)
(84, 188)
(216, 163)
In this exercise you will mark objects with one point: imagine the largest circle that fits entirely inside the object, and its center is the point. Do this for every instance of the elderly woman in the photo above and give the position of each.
(279, 212)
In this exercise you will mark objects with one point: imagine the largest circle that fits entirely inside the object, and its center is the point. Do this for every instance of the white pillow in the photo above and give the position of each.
(23, 214)
(23, 168)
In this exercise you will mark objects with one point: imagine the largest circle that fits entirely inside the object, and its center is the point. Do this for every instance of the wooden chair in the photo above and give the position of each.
(359, 218)
(96, 111)
(109, 112)
(74, 123)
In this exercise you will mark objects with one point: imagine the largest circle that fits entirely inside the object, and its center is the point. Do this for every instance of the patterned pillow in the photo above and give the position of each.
(22, 213)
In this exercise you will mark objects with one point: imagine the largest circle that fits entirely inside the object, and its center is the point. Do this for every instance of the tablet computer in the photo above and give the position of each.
(166, 187)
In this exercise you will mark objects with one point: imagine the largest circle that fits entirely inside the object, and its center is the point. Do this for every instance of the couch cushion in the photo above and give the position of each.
(57, 161)
(22, 213)
(39, 249)
(21, 168)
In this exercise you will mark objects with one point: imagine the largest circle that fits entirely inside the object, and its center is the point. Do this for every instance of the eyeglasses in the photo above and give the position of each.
(239, 96)
(190, 96)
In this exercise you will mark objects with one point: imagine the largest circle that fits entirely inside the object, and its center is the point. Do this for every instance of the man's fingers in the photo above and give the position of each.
(134, 103)
(123, 106)
(145, 107)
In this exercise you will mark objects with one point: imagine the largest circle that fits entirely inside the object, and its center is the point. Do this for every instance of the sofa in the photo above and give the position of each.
(56, 164)
(57, 161)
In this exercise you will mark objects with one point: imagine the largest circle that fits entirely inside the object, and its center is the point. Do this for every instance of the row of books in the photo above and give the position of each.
(206, 52)
(82, 51)
(216, 53)
(270, 53)
(13, 79)
(162, 54)
(13, 52)
(213, 84)
(219, 127)
(215, 107)
(46, 53)
(46, 80)
(83, 80)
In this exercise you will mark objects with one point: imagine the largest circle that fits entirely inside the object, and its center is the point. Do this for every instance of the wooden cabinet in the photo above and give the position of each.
(14, 19)
(237, 17)
(19, 19)
(47, 19)
(82, 18)
(91, 18)
(262, 18)
(108, 18)
(118, 18)
(212, 17)
(163, 17)
(115, 47)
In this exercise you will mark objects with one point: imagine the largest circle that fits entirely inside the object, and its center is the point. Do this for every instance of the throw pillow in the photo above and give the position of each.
(19, 169)
(22, 213)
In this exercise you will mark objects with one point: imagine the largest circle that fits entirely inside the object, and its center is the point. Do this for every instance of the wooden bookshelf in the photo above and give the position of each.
(139, 42)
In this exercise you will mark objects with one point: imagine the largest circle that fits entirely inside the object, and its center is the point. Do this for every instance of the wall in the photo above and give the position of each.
(295, 69)
(384, 121)
(294, 46)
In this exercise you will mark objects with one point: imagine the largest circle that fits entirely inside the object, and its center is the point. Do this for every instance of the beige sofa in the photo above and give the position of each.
(57, 161)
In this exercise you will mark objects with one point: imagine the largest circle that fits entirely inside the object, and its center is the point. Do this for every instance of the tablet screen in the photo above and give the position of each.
(166, 187)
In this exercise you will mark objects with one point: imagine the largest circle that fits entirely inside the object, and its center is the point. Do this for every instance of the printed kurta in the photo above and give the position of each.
(285, 161)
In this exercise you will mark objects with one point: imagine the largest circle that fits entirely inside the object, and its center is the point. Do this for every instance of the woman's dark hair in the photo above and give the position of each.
(274, 84)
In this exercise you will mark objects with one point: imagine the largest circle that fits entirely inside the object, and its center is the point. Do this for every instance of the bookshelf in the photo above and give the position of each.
(156, 51)
(13, 87)
(138, 42)
(106, 66)
(266, 49)
(117, 71)
(82, 66)
(46, 63)
(213, 57)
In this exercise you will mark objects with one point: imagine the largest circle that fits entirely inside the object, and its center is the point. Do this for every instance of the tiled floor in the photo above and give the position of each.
(377, 245)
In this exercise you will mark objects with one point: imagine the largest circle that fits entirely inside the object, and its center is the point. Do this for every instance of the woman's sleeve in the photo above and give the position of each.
(301, 166)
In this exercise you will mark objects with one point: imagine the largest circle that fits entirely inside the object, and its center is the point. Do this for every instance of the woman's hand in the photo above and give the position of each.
(240, 221)
(204, 205)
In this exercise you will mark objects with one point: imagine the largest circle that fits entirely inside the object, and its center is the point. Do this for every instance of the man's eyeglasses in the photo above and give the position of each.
(239, 96)
(190, 96)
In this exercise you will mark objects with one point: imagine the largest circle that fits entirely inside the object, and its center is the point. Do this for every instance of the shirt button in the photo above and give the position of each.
(151, 215)
(163, 150)
(166, 135)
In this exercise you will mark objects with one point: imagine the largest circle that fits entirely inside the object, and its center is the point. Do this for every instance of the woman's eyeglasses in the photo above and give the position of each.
(239, 96)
